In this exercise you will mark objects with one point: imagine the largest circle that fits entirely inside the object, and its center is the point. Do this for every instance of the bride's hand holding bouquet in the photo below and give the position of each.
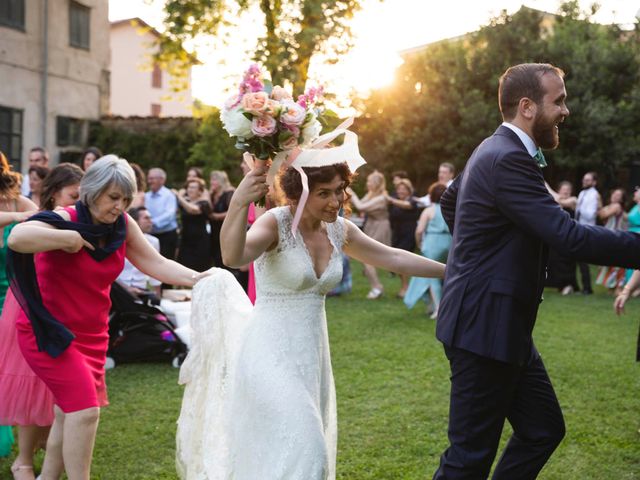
(253, 186)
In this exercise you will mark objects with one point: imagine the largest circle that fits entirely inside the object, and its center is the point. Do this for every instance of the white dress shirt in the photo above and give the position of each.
(132, 277)
(587, 207)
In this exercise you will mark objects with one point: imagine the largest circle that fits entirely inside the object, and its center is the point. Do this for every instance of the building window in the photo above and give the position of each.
(79, 21)
(12, 13)
(156, 76)
(156, 109)
(11, 135)
(70, 131)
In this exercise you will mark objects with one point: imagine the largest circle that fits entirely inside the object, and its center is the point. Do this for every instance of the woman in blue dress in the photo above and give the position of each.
(432, 234)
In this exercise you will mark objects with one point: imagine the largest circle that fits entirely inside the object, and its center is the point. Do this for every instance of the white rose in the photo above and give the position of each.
(235, 123)
(310, 132)
(292, 113)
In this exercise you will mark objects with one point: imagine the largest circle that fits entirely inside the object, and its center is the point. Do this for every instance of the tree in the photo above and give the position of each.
(295, 30)
(444, 99)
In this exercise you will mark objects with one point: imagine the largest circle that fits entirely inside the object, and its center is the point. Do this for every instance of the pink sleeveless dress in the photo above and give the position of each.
(75, 288)
(24, 398)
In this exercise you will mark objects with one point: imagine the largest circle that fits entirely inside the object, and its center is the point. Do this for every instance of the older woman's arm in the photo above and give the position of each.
(147, 259)
(35, 236)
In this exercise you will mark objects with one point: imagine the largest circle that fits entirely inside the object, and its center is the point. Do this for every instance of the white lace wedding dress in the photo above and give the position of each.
(259, 402)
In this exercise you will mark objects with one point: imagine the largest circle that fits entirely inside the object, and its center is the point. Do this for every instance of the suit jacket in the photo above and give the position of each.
(503, 220)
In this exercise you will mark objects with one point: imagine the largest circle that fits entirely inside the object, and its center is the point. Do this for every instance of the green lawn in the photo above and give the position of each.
(392, 384)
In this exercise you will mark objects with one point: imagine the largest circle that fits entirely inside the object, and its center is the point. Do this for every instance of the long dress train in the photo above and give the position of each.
(259, 401)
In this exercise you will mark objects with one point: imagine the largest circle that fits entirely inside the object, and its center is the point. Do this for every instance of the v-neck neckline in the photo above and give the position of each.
(306, 249)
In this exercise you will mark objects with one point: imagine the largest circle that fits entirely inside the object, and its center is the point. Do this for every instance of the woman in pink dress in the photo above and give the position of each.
(25, 400)
(63, 331)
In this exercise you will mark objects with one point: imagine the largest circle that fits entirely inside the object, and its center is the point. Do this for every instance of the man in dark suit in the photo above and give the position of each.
(503, 220)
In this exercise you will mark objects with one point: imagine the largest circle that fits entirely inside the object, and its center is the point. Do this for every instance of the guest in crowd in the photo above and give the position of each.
(377, 225)
(194, 173)
(562, 269)
(403, 217)
(194, 249)
(36, 177)
(13, 208)
(221, 192)
(396, 177)
(589, 202)
(614, 217)
(633, 217)
(26, 401)
(162, 205)
(141, 185)
(38, 156)
(434, 238)
(446, 174)
(61, 186)
(89, 156)
(73, 278)
(137, 283)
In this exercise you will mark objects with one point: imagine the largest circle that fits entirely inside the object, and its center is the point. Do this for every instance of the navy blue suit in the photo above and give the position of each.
(503, 220)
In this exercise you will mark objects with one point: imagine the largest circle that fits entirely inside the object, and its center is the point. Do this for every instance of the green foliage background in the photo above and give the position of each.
(443, 101)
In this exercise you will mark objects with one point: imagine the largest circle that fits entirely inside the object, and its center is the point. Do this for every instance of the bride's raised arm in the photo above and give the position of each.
(367, 250)
(238, 246)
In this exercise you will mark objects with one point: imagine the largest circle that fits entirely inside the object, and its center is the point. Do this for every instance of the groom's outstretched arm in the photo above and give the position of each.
(522, 197)
(448, 202)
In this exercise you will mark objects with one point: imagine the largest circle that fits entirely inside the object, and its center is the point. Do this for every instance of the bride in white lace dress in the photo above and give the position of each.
(260, 400)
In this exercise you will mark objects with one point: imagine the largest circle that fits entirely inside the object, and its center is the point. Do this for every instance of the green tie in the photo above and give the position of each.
(539, 156)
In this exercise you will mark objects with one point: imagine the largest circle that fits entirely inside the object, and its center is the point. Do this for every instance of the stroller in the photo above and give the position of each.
(141, 332)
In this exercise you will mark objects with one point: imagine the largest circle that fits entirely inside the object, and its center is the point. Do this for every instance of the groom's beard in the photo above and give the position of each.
(545, 133)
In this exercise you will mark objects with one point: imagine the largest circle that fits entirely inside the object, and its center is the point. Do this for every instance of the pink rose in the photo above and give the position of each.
(263, 126)
(272, 108)
(278, 93)
(255, 102)
(292, 113)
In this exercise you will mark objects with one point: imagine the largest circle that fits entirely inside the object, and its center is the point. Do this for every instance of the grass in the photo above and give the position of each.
(392, 384)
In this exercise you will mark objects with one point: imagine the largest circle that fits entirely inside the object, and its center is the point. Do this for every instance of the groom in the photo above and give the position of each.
(503, 220)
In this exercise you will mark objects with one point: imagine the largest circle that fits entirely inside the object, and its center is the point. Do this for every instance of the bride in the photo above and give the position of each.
(259, 401)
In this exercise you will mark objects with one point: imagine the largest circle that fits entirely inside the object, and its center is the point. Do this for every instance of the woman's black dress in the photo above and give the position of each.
(194, 249)
(403, 226)
(221, 206)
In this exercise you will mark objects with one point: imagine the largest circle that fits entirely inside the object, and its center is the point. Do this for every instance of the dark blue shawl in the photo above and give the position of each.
(51, 335)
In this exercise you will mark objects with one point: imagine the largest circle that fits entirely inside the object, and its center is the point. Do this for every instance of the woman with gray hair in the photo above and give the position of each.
(64, 292)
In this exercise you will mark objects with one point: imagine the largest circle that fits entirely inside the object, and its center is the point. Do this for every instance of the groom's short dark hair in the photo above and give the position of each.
(522, 81)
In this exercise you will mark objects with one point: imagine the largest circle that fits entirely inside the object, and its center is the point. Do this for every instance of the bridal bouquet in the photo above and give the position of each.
(267, 121)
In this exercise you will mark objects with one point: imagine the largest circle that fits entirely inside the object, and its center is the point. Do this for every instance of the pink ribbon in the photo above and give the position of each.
(303, 199)
(321, 142)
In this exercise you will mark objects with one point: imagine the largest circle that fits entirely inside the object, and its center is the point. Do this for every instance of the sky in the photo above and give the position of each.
(381, 30)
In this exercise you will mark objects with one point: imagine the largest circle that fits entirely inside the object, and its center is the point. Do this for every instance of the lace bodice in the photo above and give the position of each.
(288, 268)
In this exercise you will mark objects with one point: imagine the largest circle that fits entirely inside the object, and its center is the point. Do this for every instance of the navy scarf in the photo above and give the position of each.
(51, 335)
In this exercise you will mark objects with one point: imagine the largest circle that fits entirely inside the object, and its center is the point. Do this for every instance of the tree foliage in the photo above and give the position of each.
(444, 99)
(295, 30)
